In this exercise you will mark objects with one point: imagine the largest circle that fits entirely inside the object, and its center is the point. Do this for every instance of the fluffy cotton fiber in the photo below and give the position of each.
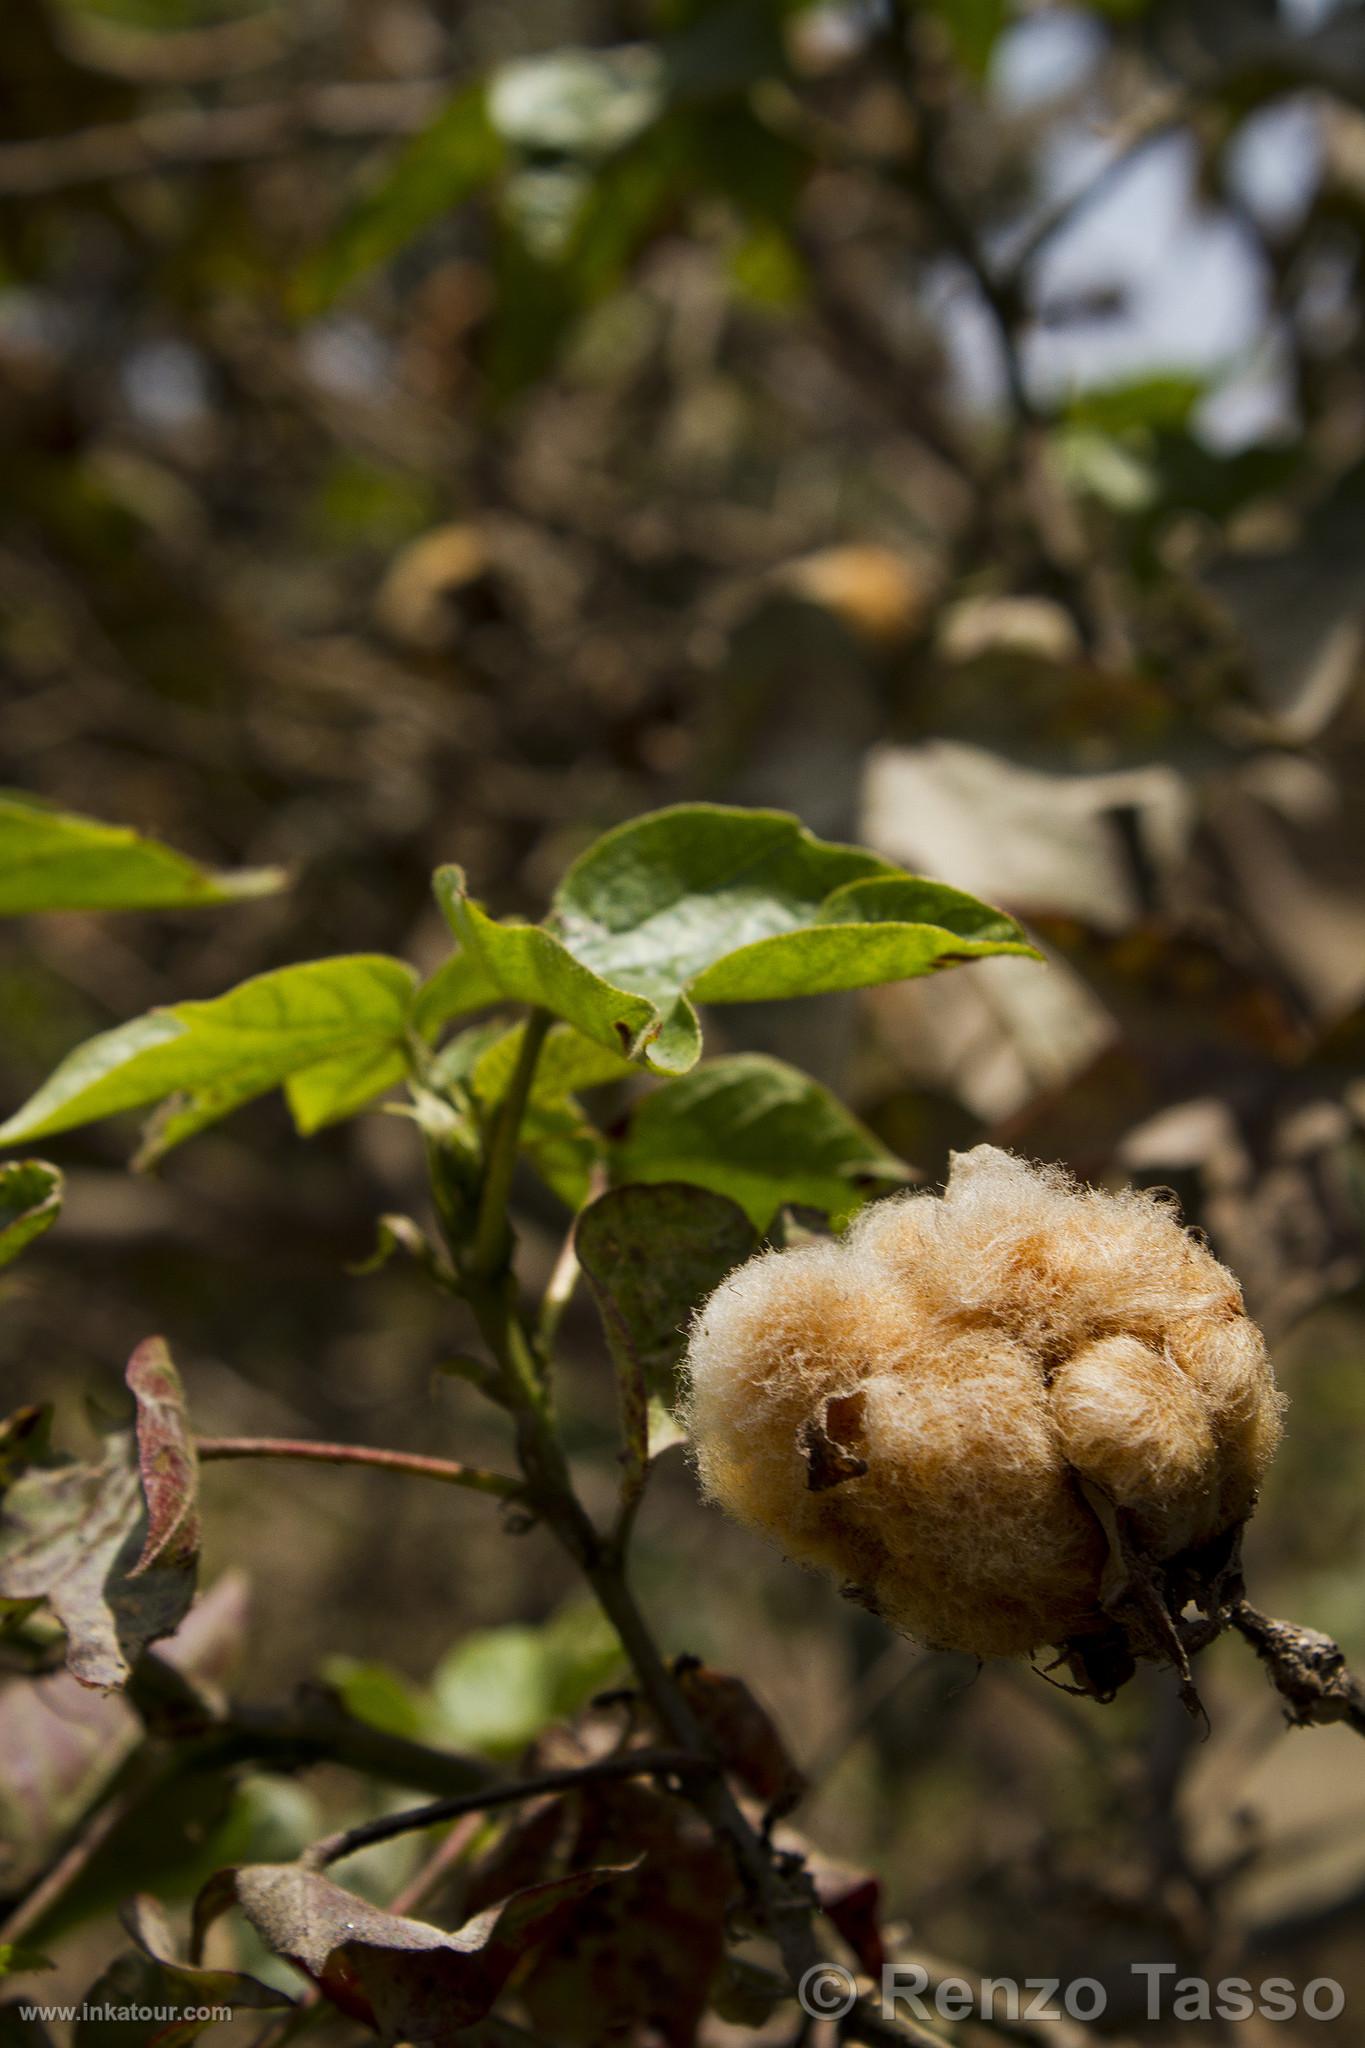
(909, 1407)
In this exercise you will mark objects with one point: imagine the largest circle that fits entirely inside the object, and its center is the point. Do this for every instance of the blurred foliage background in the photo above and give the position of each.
(436, 431)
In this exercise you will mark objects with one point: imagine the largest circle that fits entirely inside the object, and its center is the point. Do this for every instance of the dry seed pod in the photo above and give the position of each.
(911, 1407)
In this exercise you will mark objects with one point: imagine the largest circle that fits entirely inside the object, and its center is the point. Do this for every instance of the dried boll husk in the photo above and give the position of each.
(926, 1407)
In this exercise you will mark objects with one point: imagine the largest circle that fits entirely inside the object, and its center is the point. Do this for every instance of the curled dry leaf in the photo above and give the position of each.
(197, 1987)
(409, 1981)
(743, 1733)
(166, 1460)
(111, 1546)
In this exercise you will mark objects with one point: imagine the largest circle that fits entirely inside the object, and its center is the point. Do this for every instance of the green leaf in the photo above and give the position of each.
(557, 1137)
(458, 986)
(219, 1054)
(499, 1687)
(651, 1255)
(30, 1200)
(54, 860)
(760, 1132)
(725, 905)
(343, 1086)
(439, 169)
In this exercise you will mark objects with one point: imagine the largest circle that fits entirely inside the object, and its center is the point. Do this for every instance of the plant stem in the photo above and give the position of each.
(488, 1254)
(413, 1462)
(638, 1763)
(779, 1888)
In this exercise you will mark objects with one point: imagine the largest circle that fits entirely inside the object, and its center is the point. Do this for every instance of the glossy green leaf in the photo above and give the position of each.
(724, 905)
(760, 1132)
(55, 860)
(440, 168)
(30, 1202)
(218, 1054)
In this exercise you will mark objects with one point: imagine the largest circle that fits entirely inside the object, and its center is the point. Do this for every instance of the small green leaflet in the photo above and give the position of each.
(709, 903)
(54, 860)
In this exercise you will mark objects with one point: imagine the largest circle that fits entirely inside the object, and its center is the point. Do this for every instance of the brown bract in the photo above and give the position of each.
(914, 1407)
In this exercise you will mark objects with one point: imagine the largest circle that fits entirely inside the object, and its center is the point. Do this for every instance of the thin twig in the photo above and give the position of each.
(414, 1463)
(639, 1763)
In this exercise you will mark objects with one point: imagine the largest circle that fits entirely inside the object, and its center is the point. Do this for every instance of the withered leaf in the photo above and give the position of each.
(111, 1546)
(743, 1734)
(166, 1460)
(198, 1987)
(408, 1980)
(640, 1958)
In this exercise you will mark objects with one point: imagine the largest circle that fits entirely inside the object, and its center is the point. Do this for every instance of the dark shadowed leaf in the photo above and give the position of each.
(30, 1200)
(53, 860)
(724, 905)
(743, 1733)
(140, 2000)
(640, 1962)
(115, 1564)
(652, 1254)
(851, 1901)
(410, 1981)
(24, 1440)
(761, 1133)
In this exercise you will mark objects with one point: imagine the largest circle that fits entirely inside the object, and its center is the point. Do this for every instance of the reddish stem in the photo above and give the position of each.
(413, 1462)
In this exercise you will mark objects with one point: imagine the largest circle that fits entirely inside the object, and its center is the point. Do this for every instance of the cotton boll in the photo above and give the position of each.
(988, 1548)
(1128, 1419)
(915, 1407)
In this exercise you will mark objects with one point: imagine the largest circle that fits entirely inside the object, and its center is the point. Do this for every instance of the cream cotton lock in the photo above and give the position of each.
(960, 1406)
